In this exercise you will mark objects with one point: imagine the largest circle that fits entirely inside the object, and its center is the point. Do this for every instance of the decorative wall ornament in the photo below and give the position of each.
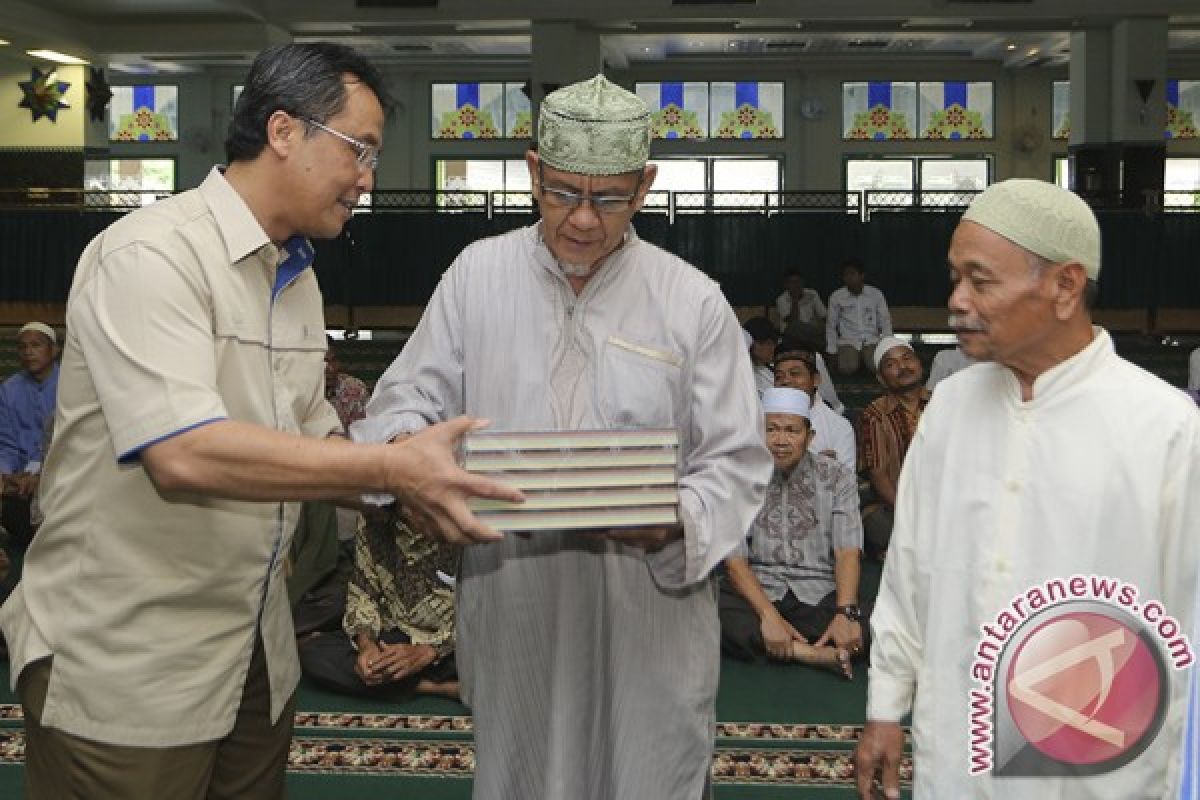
(43, 94)
(98, 94)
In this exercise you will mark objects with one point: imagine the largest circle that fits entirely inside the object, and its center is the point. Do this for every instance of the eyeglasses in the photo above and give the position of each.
(367, 154)
(602, 203)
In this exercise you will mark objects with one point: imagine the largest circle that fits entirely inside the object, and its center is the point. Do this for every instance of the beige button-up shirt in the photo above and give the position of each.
(180, 314)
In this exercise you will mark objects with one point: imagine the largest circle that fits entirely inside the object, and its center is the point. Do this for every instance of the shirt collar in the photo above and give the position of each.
(891, 402)
(1070, 372)
(240, 230)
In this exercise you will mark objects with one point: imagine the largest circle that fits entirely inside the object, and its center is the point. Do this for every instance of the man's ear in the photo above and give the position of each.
(282, 131)
(649, 173)
(531, 161)
(1070, 284)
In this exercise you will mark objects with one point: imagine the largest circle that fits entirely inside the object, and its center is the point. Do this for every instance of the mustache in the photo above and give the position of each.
(960, 322)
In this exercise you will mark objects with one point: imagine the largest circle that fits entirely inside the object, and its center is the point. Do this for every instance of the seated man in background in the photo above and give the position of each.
(764, 337)
(832, 434)
(26, 406)
(886, 429)
(946, 363)
(397, 634)
(858, 318)
(801, 314)
(1194, 370)
(790, 591)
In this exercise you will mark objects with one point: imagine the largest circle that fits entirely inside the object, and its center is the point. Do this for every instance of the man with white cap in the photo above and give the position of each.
(791, 588)
(590, 661)
(886, 429)
(1057, 460)
(26, 406)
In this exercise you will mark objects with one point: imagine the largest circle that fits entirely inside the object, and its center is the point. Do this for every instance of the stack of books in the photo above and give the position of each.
(578, 480)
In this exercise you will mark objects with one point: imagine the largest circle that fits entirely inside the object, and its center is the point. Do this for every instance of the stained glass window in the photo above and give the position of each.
(467, 110)
(680, 110)
(956, 110)
(878, 110)
(518, 113)
(475, 110)
(148, 113)
(1061, 113)
(1183, 109)
(746, 110)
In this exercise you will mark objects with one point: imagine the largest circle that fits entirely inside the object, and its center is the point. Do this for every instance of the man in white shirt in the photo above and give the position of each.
(763, 339)
(800, 311)
(858, 319)
(833, 435)
(945, 364)
(1058, 464)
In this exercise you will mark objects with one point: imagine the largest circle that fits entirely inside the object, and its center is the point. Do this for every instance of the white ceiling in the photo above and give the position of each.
(189, 34)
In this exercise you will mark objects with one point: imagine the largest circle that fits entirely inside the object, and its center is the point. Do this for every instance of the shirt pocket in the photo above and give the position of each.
(638, 384)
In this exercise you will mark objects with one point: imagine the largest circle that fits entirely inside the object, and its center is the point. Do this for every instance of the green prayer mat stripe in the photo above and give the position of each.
(381, 757)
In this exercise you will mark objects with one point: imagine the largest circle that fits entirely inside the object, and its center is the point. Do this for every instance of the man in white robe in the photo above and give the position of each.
(590, 660)
(1057, 459)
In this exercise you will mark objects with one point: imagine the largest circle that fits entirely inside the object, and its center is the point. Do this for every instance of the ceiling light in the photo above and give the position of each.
(1033, 51)
(4, 42)
(54, 55)
(1010, 47)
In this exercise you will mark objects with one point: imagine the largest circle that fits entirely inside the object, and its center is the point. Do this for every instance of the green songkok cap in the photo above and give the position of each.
(594, 127)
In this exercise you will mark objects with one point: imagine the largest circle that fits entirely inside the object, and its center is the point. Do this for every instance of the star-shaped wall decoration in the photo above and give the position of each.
(98, 94)
(43, 94)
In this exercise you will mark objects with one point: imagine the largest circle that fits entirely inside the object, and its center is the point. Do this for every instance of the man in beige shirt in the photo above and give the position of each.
(151, 639)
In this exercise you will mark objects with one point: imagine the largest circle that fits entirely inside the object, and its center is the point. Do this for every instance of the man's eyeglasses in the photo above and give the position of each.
(367, 155)
(602, 203)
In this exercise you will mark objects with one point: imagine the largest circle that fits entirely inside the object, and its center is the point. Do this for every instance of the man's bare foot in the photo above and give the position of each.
(444, 689)
(833, 659)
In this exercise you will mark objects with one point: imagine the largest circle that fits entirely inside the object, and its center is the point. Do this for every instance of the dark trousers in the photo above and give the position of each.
(328, 659)
(247, 764)
(741, 635)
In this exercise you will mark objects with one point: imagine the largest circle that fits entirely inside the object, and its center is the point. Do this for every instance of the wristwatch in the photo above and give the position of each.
(852, 613)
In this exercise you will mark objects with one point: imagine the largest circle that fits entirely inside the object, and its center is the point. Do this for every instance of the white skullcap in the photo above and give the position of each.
(779, 400)
(747, 338)
(1043, 218)
(41, 328)
(885, 344)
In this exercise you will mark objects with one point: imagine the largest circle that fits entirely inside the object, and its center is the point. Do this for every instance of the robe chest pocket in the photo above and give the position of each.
(639, 384)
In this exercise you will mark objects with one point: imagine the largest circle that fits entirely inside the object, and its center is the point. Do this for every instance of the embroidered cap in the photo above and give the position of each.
(594, 127)
(1043, 218)
(785, 401)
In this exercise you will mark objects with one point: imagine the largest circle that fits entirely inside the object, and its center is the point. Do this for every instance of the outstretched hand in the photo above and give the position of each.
(424, 475)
